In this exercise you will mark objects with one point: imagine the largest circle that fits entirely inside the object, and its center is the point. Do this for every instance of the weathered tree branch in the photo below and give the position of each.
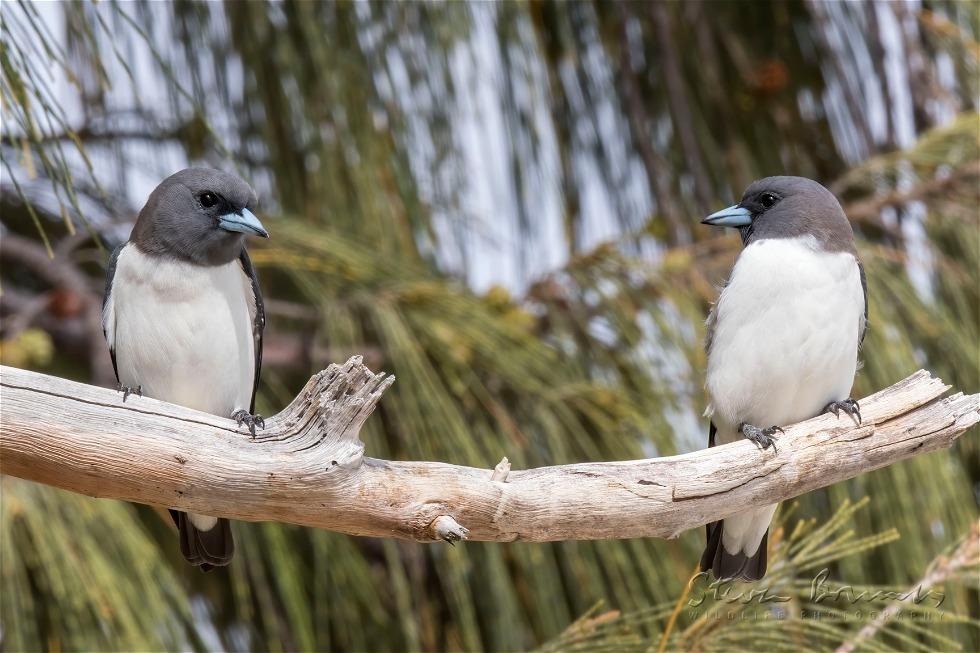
(307, 467)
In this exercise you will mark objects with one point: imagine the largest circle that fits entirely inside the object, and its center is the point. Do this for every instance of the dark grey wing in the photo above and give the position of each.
(712, 430)
(709, 329)
(712, 530)
(258, 324)
(110, 273)
(712, 321)
(864, 287)
(709, 336)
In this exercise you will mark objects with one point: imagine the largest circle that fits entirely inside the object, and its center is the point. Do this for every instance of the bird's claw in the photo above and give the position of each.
(762, 437)
(849, 406)
(127, 390)
(248, 419)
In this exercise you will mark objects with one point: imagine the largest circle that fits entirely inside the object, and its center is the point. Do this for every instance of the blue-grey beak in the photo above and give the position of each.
(244, 221)
(733, 216)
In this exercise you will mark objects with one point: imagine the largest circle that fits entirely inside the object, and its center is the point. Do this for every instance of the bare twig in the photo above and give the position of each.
(870, 209)
(59, 272)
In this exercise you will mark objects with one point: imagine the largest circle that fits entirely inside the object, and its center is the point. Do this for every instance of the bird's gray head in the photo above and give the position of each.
(788, 207)
(199, 215)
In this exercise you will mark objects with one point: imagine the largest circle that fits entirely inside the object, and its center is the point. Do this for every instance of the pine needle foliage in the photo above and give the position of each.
(349, 119)
(797, 606)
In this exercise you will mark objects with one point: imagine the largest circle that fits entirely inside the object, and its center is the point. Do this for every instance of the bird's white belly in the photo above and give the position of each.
(183, 332)
(786, 335)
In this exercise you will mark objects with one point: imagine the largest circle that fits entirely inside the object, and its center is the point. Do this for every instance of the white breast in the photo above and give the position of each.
(183, 332)
(786, 335)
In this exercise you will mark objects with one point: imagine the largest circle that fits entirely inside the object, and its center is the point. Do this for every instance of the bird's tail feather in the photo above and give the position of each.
(725, 565)
(205, 549)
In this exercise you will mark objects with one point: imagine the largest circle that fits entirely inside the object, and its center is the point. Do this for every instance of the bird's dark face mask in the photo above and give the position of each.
(200, 216)
(742, 216)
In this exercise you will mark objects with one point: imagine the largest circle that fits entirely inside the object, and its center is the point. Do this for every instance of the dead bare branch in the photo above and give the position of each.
(307, 467)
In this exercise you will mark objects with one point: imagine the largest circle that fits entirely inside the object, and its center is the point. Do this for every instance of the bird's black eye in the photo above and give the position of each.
(767, 200)
(208, 199)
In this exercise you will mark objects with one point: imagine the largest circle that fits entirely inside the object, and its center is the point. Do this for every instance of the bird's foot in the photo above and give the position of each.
(849, 406)
(127, 390)
(249, 420)
(762, 437)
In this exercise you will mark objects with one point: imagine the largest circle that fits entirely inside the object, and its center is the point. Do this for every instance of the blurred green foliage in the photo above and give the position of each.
(326, 107)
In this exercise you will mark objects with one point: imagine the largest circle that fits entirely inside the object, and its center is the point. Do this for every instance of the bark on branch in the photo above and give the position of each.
(307, 467)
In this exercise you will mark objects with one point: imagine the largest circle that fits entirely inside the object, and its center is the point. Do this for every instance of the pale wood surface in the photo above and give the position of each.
(307, 467)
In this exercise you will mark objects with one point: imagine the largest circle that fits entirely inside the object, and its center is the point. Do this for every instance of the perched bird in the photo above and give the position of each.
(782, 340)
(183, 316)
